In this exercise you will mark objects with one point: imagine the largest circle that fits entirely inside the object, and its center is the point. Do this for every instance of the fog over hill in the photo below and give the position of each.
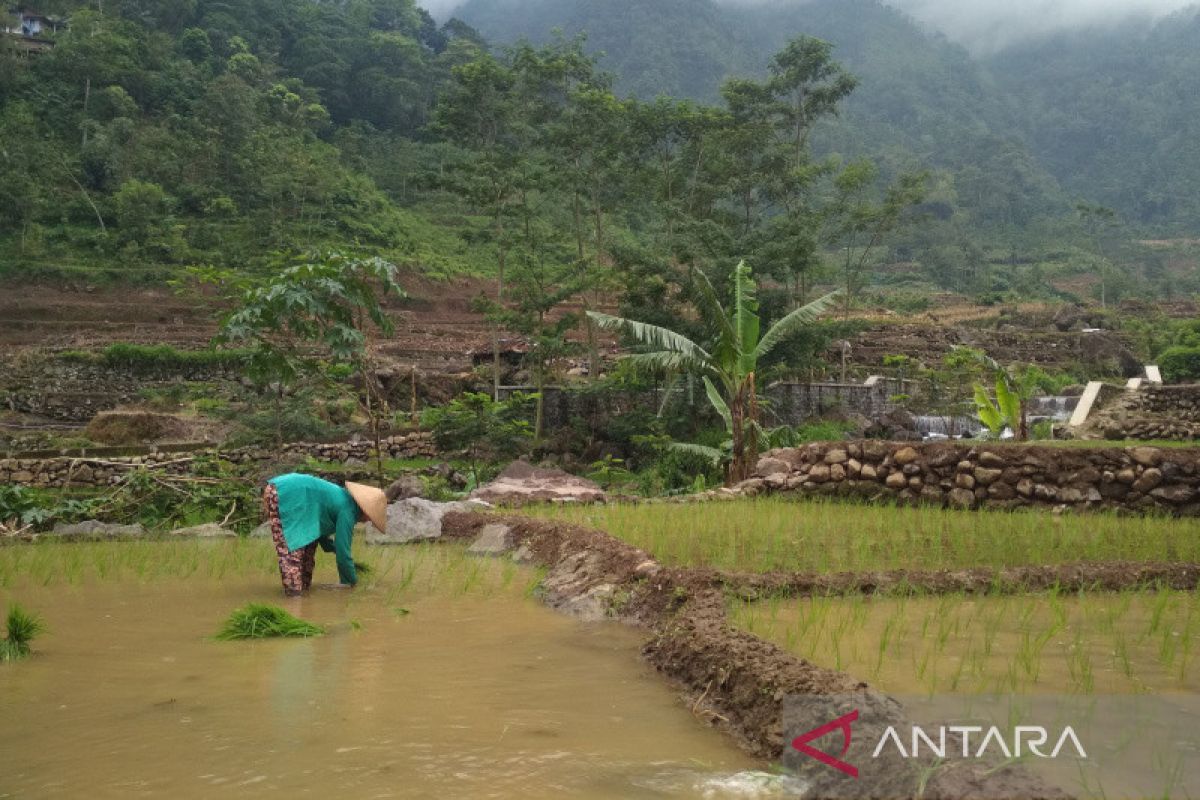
(985, 26)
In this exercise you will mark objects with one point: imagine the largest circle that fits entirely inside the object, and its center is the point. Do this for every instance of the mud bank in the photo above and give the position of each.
(1110, 576)
(731, 679)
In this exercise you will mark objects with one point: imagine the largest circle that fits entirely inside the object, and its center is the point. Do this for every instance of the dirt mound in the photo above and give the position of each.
(136, 427)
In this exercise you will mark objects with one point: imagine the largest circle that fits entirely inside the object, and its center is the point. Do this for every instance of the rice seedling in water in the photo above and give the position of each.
(261, 621)
(21, 628)
(1064, 642)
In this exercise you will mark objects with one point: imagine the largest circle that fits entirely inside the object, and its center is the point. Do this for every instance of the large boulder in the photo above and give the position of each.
(414, 519)
(896, 424)
(405, 487)
(522, 483)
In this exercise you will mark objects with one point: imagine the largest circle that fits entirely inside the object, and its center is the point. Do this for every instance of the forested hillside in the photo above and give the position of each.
(1115, 114)
(1102, 116)
(156, 134)
(162, 132)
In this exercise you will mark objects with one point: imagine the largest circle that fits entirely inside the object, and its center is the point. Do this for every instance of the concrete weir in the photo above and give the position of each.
(1090, 393)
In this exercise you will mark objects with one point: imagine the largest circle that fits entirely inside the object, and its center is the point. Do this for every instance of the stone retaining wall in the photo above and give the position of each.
(91, 471)
(995, 476)
(1151, 412)
(72, 391)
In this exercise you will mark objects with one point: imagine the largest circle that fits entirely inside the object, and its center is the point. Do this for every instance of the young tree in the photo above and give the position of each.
(729, 364)
(479, 111)
(314, 306)
(860, 224)
(480, 427)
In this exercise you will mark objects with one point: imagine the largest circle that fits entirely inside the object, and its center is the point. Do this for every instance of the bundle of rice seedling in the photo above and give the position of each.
(261, 621)
(362, 567)
(22, 627)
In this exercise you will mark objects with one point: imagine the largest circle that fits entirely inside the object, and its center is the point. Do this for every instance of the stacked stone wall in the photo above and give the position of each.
(1135, 479)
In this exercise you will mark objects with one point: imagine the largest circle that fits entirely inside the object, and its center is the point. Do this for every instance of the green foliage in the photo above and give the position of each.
(21, 628)
(996, 416)
(166, 357)
(733, 359)
(19, 505)
(482, 428)
(156, 500)
(1180, 363)
(318, 298)
(261, 621)
(197, 133)
(610, 472)
(818, 431)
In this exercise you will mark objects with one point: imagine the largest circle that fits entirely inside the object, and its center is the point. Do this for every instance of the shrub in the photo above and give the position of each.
(1180, 363)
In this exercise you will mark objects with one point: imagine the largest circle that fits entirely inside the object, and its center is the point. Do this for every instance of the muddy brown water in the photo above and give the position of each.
(468, 694)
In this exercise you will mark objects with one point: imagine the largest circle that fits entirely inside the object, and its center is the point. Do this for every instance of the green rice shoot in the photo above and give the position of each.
(819, 535)
(21, 628)
(262, 621)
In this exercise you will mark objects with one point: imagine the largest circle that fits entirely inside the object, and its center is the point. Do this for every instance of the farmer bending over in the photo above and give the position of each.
(305, 511)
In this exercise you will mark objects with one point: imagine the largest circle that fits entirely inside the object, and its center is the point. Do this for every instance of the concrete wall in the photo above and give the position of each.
(1139, 479)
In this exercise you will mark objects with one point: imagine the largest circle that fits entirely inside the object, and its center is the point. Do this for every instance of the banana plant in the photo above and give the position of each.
(728, 364)
(1006, 411)
(1015, 385)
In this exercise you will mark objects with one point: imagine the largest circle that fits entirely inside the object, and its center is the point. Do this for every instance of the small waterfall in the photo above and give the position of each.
(934, 426)
(1057, 408)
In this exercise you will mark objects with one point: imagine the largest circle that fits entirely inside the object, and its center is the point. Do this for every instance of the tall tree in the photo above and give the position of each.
(729, 363)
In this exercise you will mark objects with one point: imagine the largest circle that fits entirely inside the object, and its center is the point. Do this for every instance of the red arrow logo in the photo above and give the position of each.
(843, 722)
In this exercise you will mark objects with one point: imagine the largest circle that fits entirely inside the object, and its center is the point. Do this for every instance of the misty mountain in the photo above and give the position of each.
(1115, 114)
(1097, 114)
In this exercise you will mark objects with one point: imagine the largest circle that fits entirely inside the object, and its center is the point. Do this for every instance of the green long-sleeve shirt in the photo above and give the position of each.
(315, 510)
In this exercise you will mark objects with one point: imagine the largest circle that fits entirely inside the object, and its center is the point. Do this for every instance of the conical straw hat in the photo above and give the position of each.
(372, 501)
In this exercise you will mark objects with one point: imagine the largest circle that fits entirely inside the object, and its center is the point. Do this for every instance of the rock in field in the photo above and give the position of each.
(414, 519)
(493, 540)
(522, 483)
(209, 530)
(94, 529)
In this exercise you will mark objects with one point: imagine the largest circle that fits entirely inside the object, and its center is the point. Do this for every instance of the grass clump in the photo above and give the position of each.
(262, 621)
(21, 629)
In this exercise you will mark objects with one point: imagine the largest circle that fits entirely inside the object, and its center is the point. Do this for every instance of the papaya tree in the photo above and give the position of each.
(728, 364)
(314, 307)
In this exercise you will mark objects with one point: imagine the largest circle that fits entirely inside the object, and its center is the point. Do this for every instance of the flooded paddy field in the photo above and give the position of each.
(1057, 643)
(439, 677)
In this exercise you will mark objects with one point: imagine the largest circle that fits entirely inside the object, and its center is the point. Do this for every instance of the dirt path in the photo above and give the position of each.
(732, 679)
